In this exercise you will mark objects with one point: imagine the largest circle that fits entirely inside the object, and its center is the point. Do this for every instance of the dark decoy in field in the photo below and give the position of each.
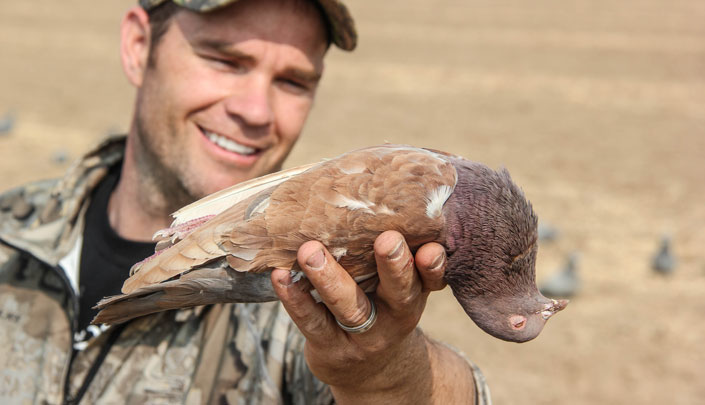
(663, 261)
(7, 122)
(565, 282)
(60, 156)
(547, 232)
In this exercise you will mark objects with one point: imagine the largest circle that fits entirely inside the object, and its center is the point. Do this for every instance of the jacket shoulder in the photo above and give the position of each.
(43, 217)
(19, 206)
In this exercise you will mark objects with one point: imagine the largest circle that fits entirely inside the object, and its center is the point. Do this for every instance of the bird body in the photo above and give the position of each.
(7, 122)
(663, 261)
(548, 232)
(222, 248)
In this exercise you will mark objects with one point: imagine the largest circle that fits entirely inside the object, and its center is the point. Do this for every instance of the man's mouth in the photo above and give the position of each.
(229, 144)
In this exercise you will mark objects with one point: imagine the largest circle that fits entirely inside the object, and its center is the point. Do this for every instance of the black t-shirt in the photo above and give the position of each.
(106, 258)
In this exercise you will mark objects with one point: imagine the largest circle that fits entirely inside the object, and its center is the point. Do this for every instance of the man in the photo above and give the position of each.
(223, 90)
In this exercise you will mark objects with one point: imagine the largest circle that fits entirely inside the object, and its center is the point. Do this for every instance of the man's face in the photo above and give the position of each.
(227, 94)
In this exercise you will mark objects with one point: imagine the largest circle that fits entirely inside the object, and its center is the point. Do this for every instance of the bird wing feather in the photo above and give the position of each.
(214, 204)
(201, 248)
(344, 202)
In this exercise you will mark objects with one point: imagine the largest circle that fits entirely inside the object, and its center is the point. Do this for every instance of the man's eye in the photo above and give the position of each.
(224, 63)
(294, 86)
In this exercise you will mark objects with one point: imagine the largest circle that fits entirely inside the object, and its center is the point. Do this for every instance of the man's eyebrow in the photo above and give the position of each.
(224, 48)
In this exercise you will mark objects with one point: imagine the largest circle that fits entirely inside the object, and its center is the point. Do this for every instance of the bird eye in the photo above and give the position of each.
(517, 321)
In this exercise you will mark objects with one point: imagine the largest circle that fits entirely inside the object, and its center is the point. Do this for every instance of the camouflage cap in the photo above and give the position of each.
(340, 21)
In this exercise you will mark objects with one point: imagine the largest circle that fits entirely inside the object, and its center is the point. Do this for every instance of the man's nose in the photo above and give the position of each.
(251, 102)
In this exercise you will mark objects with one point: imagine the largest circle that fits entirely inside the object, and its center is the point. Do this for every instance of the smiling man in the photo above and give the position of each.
(223, 99)
(223, 90)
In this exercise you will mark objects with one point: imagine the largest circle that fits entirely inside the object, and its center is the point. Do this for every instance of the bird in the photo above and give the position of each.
(7, 122)
(223, 247)
(565, 282)
(663, 261)
(60, 156)
(547, 232)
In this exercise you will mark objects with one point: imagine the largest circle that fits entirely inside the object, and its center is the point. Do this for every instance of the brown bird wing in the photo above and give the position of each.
(198, 249)
(344, 203)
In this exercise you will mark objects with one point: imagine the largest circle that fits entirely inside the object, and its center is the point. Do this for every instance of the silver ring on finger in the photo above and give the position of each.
(365, 326)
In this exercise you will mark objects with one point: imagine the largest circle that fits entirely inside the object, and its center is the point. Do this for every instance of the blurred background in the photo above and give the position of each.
(597, 108)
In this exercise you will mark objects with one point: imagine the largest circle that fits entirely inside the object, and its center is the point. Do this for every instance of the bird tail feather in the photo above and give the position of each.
(198, 287)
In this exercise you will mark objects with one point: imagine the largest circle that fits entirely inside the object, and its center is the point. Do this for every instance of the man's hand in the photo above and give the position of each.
(391, 361)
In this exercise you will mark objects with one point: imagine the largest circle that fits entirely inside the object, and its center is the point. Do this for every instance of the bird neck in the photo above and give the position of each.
(458, 223)
(463, 209)
(489, 224)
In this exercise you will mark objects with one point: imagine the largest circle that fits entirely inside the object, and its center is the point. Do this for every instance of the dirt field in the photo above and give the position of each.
(596, 107)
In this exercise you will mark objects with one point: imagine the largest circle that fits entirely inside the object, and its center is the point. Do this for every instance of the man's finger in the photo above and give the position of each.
(399, 283)
(431, 263)
(341, 294)
(312, 319)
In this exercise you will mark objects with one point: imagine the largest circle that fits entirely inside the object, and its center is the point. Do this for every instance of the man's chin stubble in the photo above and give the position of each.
(163, 191)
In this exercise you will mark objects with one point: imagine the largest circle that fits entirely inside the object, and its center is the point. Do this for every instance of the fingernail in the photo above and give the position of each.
(439, 262)
(397, 251)
(285, 279)
(316, 260)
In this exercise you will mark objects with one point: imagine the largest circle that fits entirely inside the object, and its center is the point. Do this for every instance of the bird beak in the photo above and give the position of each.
(553, 307)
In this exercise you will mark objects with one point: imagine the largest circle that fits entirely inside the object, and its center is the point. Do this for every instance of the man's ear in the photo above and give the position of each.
(135, 36)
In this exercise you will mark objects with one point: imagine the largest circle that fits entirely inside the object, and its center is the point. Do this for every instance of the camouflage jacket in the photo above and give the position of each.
(224, 354)
(234, 354)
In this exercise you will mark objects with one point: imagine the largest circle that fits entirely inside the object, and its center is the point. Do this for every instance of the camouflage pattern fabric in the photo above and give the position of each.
(224, 354)
(221, 354)
(341, 23)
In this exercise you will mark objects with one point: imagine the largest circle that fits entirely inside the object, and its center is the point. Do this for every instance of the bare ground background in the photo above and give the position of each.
(596, 107)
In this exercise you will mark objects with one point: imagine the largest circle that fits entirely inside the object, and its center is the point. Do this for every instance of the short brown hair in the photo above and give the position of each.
(159, 19)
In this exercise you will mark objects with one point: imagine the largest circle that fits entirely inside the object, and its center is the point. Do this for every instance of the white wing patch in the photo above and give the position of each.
(259, 208)
(351, 204)
(338, 252)
(296, 275)
(435, 200)
(384, 210)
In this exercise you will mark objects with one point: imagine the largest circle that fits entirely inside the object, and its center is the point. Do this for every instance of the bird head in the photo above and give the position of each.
(514, 319)
(492, 247)
(502, 299)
